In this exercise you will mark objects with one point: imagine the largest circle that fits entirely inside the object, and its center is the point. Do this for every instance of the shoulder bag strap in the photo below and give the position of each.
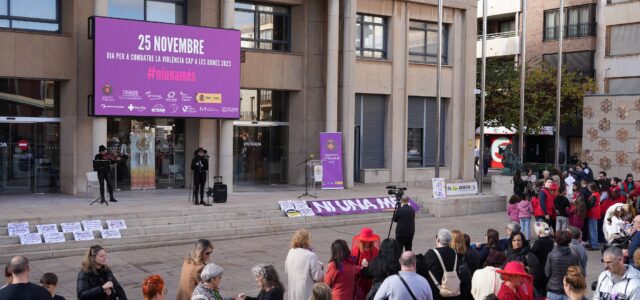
(407, 286)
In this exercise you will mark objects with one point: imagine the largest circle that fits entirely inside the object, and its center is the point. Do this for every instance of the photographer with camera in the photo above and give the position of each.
(405, 216)
(199, 166)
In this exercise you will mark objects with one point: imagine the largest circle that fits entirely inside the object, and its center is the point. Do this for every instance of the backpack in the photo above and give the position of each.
(450, 284)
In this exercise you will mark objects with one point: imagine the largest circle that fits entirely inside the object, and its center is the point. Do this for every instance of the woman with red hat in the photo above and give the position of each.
(364, 247)
(516, 283)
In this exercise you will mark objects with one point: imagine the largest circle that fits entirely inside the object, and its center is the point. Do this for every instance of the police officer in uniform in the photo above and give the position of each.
(104, 174)
(199, 166)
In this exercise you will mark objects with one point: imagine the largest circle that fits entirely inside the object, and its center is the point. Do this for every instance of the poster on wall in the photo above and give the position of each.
(149, 69)
(331, 156)
(498, 144)
(143, 158)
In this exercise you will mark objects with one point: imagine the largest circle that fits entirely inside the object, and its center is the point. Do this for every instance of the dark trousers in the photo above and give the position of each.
(405, 242)
(199, 180)
(102, 177)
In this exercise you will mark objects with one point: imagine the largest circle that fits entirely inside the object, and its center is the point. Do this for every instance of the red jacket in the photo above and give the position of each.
(594, 212)
(537, 209)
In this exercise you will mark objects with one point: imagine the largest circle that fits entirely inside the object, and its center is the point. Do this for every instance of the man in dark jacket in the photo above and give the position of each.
(199, 166)
(558, 263)
(21, 288)
(105, 174)
(634, 244)
(406, 218)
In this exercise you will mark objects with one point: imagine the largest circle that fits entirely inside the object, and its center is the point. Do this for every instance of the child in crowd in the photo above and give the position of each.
(50, 282)
(512, 208)
(524, 217)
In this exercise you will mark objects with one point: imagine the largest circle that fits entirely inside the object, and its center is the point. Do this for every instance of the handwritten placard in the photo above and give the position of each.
(300, 204)
(71, 227)
(83, 235)
(286, 205)
(16, 229)
(53, 237)
(110, 233)
(30, 239)
(44, 228)
(91, 225)
(307, 212)
(116, 224)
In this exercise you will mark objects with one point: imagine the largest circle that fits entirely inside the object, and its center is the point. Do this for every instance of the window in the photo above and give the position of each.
(263, 26)
(264, 105)
(38, 15)
(423, 42)
(623, 39)
(623, 85)
(582, 62)
(29, 98)
(579, 21)
(421, 138)
(371, 36)
(370, 121)
(165, 11)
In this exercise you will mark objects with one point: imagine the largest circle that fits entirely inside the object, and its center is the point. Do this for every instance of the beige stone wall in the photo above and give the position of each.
(611, 134)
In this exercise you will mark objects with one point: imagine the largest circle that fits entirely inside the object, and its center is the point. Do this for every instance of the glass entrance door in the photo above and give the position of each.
(29, 157)
(17, 157)
(260, 155)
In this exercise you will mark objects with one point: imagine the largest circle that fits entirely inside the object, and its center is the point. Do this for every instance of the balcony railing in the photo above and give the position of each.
(499, 35)
(571, 31)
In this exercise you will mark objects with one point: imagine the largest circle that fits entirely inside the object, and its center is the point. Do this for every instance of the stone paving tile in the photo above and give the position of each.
(239, 255)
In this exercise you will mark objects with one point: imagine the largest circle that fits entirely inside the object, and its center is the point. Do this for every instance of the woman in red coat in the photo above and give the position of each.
(341, 272)
(364, 247)
(517, 284)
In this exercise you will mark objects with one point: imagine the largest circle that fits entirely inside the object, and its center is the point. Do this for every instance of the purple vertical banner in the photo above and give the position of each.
(331, 156)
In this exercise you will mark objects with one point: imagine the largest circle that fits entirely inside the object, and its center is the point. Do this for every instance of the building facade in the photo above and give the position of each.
(611, 131)
(365, 68)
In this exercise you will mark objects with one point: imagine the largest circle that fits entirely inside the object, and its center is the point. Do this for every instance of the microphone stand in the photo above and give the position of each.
(306, 178)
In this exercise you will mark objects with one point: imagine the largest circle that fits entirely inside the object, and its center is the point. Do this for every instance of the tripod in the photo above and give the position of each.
(395, 209)
(101, 167)
(306, 178)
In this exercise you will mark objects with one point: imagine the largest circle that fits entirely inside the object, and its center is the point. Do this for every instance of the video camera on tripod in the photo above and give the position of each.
(396, 190)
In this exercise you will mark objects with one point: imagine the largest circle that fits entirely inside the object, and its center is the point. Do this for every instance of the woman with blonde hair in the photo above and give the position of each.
(303, 267)
(321, 291)
(192, 267)
(574, 283)
(459, 245)
(95, 280)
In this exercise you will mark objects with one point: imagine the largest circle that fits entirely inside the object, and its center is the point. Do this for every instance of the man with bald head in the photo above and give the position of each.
(21, 288)
(407, 284)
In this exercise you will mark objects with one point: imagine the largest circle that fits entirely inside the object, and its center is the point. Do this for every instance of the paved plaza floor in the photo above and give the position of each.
(237, 256)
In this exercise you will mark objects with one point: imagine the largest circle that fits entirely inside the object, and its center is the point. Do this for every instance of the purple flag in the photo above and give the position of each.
(331, 156)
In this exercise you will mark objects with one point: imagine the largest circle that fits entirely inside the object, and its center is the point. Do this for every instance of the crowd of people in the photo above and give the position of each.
(554, 221)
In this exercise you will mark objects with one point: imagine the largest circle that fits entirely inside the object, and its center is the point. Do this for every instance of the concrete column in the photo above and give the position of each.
(100, 8)
(226, 126)
(331, 88)
(396, 153)
(348, 97)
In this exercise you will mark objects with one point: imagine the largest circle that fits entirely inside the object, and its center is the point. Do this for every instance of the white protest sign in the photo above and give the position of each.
(116, 224)
(439, 189)
(16, 229)
(462, 188)
(83, 235)
(110, 233)
(47, 228)
(300, 204)
(71, 227)
(307, 212)
(286, 205)
(90, 225)
(53, 237)
(30, 239)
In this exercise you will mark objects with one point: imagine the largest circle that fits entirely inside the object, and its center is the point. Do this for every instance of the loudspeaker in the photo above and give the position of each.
(219, 193)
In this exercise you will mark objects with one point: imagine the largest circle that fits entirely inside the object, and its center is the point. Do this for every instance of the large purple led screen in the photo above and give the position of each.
(149, 69)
